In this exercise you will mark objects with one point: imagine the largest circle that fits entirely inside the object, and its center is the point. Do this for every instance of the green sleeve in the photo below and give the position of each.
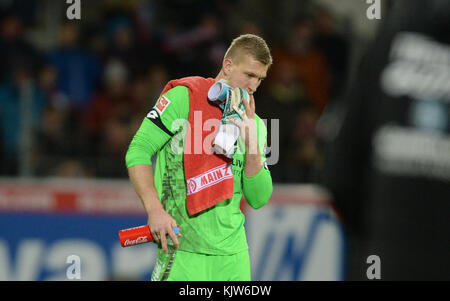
(156, 129)
(146, 142)
(257, 189)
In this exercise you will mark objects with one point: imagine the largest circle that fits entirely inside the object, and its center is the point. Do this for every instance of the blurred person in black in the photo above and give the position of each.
(389, 164)
(336, 48)
(15, 51)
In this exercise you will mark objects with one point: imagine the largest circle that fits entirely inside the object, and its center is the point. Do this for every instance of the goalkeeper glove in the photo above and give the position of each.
(228, 98)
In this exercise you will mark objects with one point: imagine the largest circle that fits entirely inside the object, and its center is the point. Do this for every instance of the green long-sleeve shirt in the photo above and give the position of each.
(220, 229)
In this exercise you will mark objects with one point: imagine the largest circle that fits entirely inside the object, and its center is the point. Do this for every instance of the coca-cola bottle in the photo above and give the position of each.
(138, 235)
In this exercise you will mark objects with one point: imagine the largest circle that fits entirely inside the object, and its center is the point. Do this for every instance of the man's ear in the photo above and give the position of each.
(226, 66)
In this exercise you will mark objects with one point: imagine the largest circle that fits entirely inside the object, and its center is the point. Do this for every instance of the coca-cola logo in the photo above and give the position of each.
(139, 240)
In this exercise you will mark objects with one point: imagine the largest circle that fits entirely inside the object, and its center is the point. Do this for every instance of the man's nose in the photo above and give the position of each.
(253, 85)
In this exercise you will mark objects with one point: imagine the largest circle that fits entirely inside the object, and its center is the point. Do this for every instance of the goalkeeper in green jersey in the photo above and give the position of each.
(212, 243)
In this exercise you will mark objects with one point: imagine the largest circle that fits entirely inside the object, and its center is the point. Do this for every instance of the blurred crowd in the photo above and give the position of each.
(72, 107)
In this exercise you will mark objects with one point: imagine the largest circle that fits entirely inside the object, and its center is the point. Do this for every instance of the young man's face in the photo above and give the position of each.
(246, 74)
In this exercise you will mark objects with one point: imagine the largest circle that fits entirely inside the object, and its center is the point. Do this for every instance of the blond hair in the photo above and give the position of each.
(252, 45)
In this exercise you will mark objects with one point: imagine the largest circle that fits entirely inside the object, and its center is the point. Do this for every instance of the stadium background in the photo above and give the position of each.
(73, 93)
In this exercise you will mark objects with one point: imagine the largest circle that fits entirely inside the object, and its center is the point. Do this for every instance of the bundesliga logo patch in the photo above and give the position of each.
(163, 103)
